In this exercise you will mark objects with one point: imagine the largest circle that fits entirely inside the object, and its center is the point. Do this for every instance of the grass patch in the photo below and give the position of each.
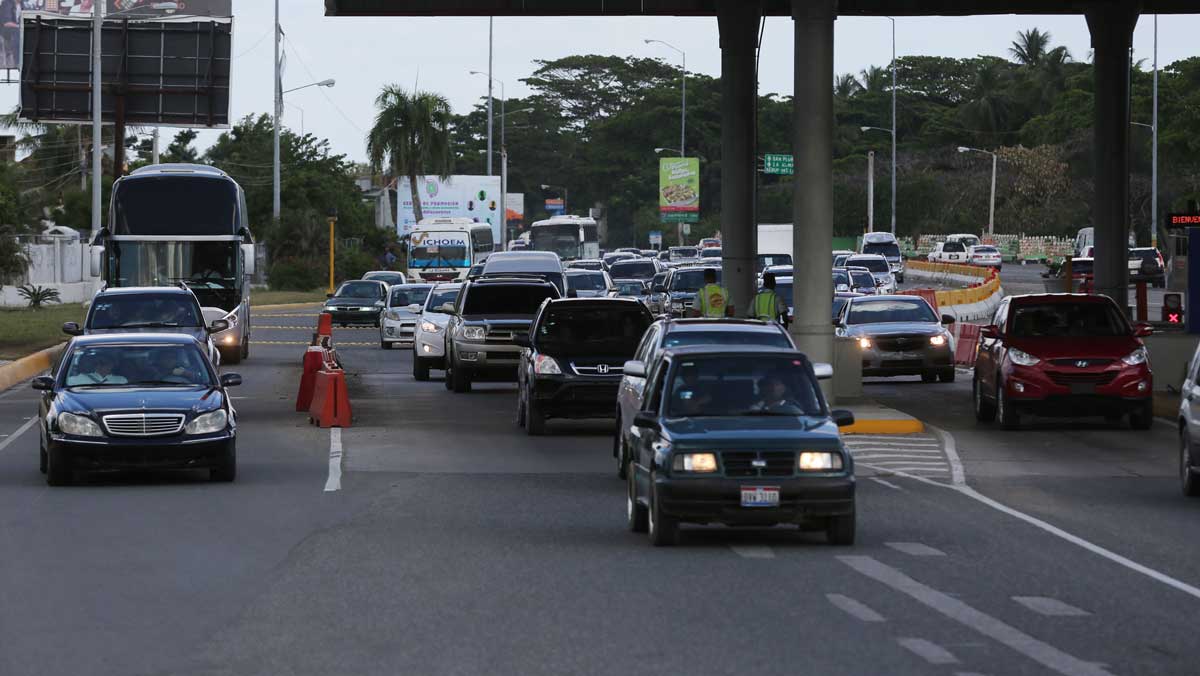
(24, 331)
(284, 297)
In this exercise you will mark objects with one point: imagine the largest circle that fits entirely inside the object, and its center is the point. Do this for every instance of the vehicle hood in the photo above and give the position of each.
(757, 431)
(895, 329)
(106, 399)
(405, 313)
(436, 318)
(1113, 347)
(194, 331)
(351, 302)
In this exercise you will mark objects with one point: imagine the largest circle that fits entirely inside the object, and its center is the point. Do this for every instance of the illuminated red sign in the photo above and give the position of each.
(1182, 220)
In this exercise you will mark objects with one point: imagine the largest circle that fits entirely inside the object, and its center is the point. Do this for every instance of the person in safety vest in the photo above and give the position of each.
(768, 306)
(712, 301)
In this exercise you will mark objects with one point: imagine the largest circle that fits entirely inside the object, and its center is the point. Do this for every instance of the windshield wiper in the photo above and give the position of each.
(147, 325)
(163, 382)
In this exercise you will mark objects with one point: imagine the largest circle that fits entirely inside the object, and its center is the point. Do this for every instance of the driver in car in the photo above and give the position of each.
(101, 371)
(777, 396)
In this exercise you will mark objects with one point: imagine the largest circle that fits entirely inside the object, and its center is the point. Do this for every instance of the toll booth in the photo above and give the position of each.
(1183, 231)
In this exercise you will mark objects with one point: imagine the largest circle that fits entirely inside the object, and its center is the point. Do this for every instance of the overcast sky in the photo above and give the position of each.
(363, 54)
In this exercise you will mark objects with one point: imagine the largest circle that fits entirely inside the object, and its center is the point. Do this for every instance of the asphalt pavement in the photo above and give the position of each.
(454, 544)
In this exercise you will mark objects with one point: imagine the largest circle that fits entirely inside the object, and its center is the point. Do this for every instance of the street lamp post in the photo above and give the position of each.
(503, 97)
(279, 92)
(683, 107)
(992, 204)
(893, 20)
(891, 131)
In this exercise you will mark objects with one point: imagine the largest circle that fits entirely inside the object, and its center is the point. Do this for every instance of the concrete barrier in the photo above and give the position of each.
(27, 367)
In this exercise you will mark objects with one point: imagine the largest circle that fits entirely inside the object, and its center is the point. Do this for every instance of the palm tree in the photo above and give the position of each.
(846, 86)
(875, 80)
(1030, 47)
(988, 111)
(412, 134)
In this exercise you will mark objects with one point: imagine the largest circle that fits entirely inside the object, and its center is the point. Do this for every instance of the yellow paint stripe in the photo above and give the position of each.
(883, 426)
(27, 367)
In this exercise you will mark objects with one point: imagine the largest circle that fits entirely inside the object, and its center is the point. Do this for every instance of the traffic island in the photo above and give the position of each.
(27, 367)
(872, 418)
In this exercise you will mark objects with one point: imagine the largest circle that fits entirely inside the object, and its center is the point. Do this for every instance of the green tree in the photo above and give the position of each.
(412, 135)
(1030, 47)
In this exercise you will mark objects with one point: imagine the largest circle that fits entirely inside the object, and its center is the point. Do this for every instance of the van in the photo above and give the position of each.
(885, 244)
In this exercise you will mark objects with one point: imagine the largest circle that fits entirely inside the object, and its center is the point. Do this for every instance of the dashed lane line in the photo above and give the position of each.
(889, 484)
(914, 548)
(1044, 605)
(928, 650)
(854, 608)
(753, 551)
(15, 435)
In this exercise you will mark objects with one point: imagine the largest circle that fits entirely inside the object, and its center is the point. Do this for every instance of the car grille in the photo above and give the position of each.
(1101, 378)
(499, 336)
(611, 370)
(901, 343)
(1072, 363)
(896, 363)
(143, 424)
(758, 463)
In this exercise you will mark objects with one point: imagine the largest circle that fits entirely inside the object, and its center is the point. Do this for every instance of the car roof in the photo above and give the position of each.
(411, 285)
(628, 280)
(731, 350)
(502, 280)
(577, 272)
(131, 290)
(136, 338)
(1058, 298)
(893, 296)
(862, 255)
(447, 285)
(729, 325)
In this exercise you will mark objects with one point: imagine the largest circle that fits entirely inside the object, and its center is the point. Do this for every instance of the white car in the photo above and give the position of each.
(881, 270)
(949, 252)
(398, 321)
(428, 339)
(985, 256)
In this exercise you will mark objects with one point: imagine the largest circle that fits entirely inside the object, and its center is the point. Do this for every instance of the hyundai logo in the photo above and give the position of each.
(759, 463)
(1081, 364)
(602, 369)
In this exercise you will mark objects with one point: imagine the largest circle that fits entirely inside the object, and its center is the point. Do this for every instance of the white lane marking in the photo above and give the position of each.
(1044, 605)
(886, 483)
(906, 469)
(902, 460)
(967, 673)
(915, 548)
(874, 448)
(957, 476)
(854, 608)
(753, 551)
(15, 435)
(334, 482)
(928, 650)
(890, 444)
(1042, 653)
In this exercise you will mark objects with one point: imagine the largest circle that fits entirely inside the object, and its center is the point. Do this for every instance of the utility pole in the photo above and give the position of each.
(871, 191)
(503, 196)
(275, 199)
(489, 75)
(1154, 149)
(154, 147)
(992, 201)
(893, 125)
(97, 146)
(332, 224)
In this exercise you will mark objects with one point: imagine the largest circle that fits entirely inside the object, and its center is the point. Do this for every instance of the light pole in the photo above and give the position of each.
(992, 206)
(1153, 175)
(301, 115)
(871, 191)
(891, 131)
(503, 98)
(893, 20)
(97, 151)
(683, 106)
(279, 92)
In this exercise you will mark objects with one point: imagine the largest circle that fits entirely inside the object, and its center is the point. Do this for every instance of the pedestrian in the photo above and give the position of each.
(712, 302)
(389, 257)
(768, 306)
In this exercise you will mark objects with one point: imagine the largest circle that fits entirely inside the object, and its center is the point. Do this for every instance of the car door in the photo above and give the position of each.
(989, 354)
(1191, 397)
(629, 398)
(644, 438)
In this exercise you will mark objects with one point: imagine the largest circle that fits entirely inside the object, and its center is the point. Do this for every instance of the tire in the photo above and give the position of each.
(1009, 417)
(246, 348)
(947, 375)
(384, 345)
(636, 514)
(41, 458)
(929, 377)
(664, 531)
(1143, 417)
(226, 470)
(58, 468)
(420, 368)
(460, 381)
(840, 530)
(535, 421)
(984, 411)
(1188, 481)
(520, 408)
(619, 451)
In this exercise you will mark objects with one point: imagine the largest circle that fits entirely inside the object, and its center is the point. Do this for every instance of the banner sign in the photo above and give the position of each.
(473, 197)
(555, 207)
(514, 204)
(1183, 220)
(679, 189)
(159, 8)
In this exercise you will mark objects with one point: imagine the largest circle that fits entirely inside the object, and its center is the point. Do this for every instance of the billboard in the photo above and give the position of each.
(160, 9)
(514, 205)
(679, 189)
(555, 206)
(473, 197)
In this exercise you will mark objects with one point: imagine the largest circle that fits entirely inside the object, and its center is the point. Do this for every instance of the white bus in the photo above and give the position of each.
(568, 236)
(444, 249)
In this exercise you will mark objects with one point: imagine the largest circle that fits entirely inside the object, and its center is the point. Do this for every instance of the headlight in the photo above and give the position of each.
(937, 341)
(818, 461)
(78, 425)
(208, 423)
(430, 327)
(704, 463)
(1022, 358)
(546, 366)
(1138, 356)
(393, 315)
(472, 333)
(864, 343)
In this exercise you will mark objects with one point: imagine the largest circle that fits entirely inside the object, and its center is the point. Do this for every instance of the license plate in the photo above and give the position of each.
(1083, 388)
(760, 496)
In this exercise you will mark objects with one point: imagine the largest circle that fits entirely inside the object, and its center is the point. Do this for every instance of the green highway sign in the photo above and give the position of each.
(777, 164)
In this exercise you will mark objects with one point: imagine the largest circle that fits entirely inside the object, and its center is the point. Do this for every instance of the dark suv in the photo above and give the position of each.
(487, 315)
(572, 363)
(149, 309)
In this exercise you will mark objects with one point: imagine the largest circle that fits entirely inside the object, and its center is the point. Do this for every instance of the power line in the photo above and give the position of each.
(323, 93)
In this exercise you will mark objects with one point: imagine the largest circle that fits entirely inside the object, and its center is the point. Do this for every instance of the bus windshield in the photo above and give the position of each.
(439, 250)
(210, 269)
(561, 238)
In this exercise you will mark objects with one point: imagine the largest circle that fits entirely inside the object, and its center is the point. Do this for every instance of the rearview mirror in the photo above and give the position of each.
(43, 383)
(96, 262)
(634, 368)
(248, 259)
(521, 340)
(231, 379)
(948, 319)
(218, 325)
(842, 417)
(823, 371)
(990, 331)
(646, 420)
(72, 329)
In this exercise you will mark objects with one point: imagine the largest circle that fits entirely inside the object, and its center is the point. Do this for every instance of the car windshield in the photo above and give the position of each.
(890, 310)
(742, 386)
(137, 365)
(1150, 255)
(743, 338)
(1081, 267)
(1061, 320)
(862, 279)
(523, 299)
(363, 289)
(690, 280)
(889, 249)
(586, 265)
(126, 311)
(767, 260)
(441, 297)
(409, 295)
(710, 253)
(872, 264)
(577, 331)
(838, 304)
(630, 288)
(634, 269)
(586, 281)
(784, 291)
(840, 260)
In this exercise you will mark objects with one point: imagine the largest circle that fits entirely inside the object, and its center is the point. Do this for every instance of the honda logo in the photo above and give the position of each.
(602, 369)
(1081, 364)
(759, 463)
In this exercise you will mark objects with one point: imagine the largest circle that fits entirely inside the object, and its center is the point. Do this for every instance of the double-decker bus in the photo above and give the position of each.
(444, 249)
(568, 236)
(183, 223)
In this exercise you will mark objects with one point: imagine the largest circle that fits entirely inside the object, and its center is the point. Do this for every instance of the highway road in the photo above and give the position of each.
(454, 544)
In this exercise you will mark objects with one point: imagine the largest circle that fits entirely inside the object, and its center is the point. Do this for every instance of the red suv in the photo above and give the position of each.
(1062, 355)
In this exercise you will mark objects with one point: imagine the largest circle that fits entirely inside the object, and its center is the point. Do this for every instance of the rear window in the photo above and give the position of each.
(1056, 320)
(586, 282)
(684, 252)
(506, 300)
(1145, 255)
(144, 311)
(885, 249)
(633, 269)
(690, 280)
(1081, 267)
(710, 253)
(872, 264)
(767, 260)
(985, 250)
(762, 338)
(607, 332)
(841, 277)
(955, 247)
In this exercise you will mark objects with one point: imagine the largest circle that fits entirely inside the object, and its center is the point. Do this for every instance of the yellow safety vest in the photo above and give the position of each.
(766, 305)
(712, 300)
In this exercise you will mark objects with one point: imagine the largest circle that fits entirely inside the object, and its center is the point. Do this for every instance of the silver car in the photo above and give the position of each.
(398, 321)
(429, 341)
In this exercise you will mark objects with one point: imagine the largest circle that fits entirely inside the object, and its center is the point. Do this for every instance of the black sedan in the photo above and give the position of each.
(129, 401)
(359, 302)
(899, 336)
(739, 436)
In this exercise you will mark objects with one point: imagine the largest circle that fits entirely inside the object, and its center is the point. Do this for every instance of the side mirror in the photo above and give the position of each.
(43, 383)
(948, 319)
(659, 288)
(1143, 330)
(329, 295)
(522, 340)
(414, 307)
(991, 331)
(96, 260)
(842, 417)
(647, 420)
(218, 325)
(248, 259)
(823, 371)
(231, 379)
(643, 291)
(634, 368)
(72, 329)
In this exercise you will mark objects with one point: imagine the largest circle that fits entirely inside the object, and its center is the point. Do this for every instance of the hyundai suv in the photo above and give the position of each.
(479, 336)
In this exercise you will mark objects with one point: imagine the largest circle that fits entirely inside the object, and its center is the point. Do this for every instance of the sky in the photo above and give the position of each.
(363, 54)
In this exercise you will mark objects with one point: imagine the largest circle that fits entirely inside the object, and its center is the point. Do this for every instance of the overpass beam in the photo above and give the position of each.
(812, 208)
(1111, 26)
(738, 24)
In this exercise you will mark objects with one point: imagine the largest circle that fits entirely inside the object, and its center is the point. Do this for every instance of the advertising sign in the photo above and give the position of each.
(679, 189)
(514, 204)
(159, 8)
(473, 197)
(656, 239)
(555, 207)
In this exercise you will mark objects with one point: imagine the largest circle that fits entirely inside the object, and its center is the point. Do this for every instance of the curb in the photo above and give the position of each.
(29, 366)
(881, 426)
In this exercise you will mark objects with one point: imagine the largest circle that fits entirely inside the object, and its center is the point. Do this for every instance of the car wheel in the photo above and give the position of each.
(984, 411)
(635, 512)
(226, 469)
(929, 377)
(619, 451)
(1187, 480)
(246, 348)
(520, 408)
(664, 531)
(1143, 417)
(535, 421)
(58, 467)
(420, 368)
(1009, 417)
(41, 458)
(840, 530)
(384, 345)
(460, 380)
(947, 375)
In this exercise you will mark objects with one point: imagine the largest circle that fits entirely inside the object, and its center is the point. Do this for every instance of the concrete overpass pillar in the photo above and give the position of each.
(738, 24)
(812, 210)
(1111, 26)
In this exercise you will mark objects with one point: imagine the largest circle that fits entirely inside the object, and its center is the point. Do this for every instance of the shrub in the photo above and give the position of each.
(38, 295)
(353, 264)
(297, 274)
